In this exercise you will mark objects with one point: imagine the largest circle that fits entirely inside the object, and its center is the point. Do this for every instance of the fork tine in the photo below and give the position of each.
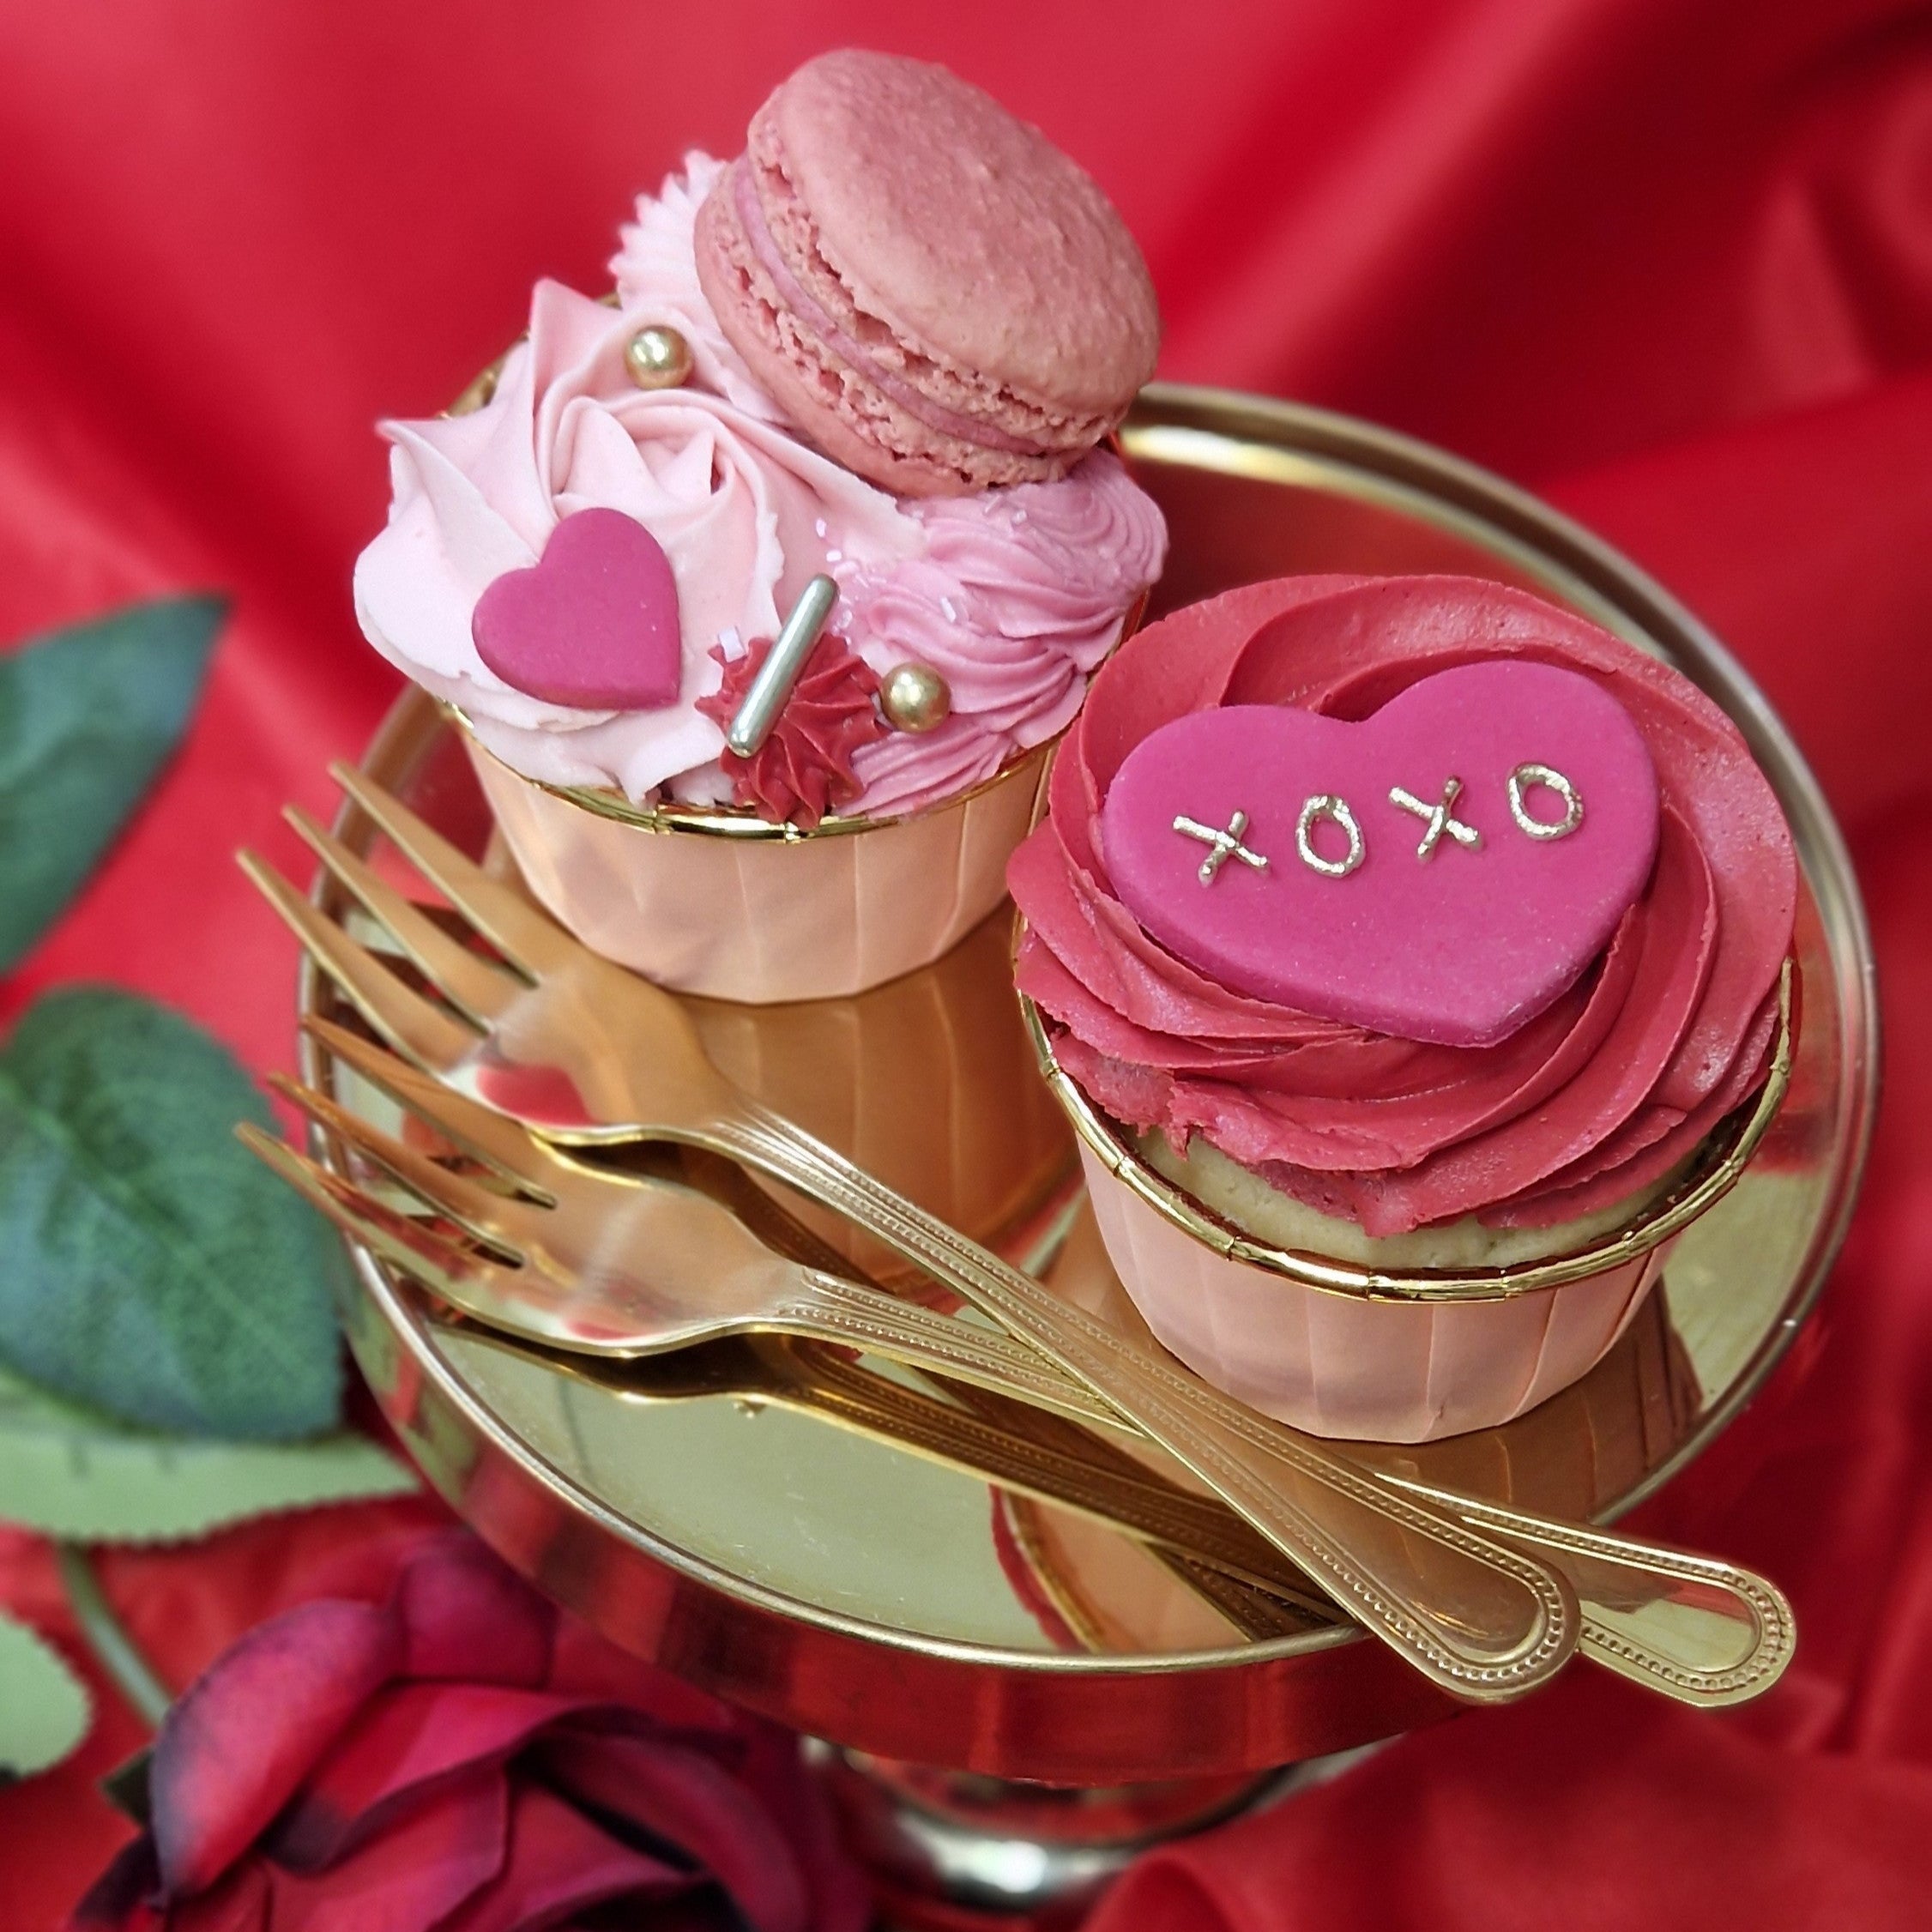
(529, 939)
(472, 1207)
(455, 1272)
(494, 1138)
(463, 978)
(415, 1028)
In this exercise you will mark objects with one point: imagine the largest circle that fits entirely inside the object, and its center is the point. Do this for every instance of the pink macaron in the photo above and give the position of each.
(935, 294)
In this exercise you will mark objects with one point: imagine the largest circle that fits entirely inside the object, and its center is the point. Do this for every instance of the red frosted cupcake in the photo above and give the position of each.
(1409, 952)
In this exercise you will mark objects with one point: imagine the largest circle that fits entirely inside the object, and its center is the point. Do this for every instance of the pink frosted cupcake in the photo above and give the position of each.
(589, 567)
(1410, 955)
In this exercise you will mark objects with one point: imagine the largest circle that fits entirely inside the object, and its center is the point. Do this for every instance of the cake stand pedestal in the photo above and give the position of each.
(954, 1848)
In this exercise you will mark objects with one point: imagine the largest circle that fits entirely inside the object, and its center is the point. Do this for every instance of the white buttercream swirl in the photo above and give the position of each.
(1014, 595)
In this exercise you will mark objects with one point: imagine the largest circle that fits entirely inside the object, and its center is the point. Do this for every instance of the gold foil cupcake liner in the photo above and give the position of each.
(732, 907)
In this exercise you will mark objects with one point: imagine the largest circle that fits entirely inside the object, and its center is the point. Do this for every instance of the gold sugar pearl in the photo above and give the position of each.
(915, 698)
(658, 358)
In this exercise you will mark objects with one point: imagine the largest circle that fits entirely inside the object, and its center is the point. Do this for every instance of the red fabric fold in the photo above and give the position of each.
(1670, 261)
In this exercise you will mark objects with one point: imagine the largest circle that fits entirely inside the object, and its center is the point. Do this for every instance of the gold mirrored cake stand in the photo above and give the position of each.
(1012, 1698)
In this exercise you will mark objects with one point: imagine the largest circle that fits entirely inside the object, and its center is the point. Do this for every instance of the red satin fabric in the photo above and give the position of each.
(1669, 260)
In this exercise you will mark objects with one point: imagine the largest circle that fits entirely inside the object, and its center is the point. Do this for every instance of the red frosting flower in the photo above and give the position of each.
(804, 769)
(463, 1757)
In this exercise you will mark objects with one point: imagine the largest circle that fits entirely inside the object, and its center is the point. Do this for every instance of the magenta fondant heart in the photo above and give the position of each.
(592, 624)
(1296, 875)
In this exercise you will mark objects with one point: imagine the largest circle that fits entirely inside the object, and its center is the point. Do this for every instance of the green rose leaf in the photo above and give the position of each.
(68, 1472)
(149, 1266)
(87, 716)
(45, 1709)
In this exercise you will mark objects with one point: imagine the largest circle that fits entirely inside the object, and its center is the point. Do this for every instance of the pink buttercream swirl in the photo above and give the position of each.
(1599, 1096)
(1014, 595)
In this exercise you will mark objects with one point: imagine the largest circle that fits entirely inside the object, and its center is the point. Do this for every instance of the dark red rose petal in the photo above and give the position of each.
(560, 1864)
(466, 1615)
(840, 1898)
(409, 1742)
(233, 1750)
(403, 1806)
(409, 1878)
(242, 1901)
(117, 1901)
(587, 1667)
(681, 1797)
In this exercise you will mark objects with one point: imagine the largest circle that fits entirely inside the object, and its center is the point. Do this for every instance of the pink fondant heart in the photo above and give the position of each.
(1461, 948)
(592, 624)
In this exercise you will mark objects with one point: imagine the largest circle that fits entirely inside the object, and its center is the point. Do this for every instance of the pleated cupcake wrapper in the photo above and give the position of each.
(765, 918)
(1339, 1365)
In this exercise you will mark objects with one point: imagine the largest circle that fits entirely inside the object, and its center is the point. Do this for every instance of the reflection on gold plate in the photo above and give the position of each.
(929, 1082)
(806, 1567)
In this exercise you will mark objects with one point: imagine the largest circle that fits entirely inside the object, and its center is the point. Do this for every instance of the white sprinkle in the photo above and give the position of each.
(1019, 516)
(732, 644)
(945, 605)
(834, 556)
(820, 526)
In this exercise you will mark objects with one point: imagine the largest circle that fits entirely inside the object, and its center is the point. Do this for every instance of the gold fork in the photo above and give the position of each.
(592, 1262)
(583, 1051)
(1701, 1631)
(623, 1267)
(602, 1262)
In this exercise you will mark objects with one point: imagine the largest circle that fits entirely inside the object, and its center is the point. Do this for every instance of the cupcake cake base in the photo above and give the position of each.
(1379, 1371)
(1368, 1350)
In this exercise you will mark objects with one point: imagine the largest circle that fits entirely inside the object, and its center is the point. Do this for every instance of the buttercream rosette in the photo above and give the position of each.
(1013, 596)
(1396, 1156)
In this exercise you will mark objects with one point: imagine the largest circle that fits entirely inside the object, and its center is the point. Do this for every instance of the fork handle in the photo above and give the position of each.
(1700, 1630)
(827, 1308)
(871, 1318)
(1483, 1621)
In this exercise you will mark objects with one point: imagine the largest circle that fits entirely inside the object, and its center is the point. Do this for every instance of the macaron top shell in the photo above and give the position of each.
(963, 230)
(927, 286)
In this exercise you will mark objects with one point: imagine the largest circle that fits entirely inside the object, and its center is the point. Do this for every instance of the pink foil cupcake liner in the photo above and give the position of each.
(1377, 1371)
(1340, 1349)
(761, 913)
